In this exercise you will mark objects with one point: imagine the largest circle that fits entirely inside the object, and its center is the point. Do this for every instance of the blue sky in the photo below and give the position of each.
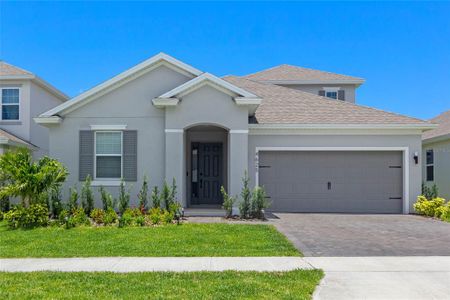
(402, 49)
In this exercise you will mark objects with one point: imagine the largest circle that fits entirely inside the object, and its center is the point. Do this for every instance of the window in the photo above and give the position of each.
(331, 94)
(10, 104)
(430, 165)
(108, 154)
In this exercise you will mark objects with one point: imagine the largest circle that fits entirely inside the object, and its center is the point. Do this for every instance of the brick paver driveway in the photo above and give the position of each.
(365, 235)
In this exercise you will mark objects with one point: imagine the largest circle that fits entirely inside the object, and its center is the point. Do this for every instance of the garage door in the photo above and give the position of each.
(336, 181)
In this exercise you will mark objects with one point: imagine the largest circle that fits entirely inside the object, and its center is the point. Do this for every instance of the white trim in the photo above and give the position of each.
(247, 101)
(436, 139)
(173, 130)
(113, 155)
(40, 82)
(48, 120)
(331, 88)
(108, 127)
(163, 102)
(99, 182)
(238, 131)
(6, 121)
(207, 77)
(423, 126)
(121, 79)
(405, 151)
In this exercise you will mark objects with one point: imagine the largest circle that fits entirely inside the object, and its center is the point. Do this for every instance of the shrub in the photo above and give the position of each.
(228, 203)
(165, 195)
(156, 201)
(98, 215)
(26, 178)
(155, 215)
(107, 199)
(87, 197)
(430, 193)
(445, 212)
(110, 216)
(167, 217)
(125, 220)
(73, 200)
(245, 205)
(428, 207)
(79, 217)
(140, 220)
(34, 216)
(1, 215)
(173, 192)
(124, 198)
(55, 201)
(143, 195)
(134, 212)
(259, 202)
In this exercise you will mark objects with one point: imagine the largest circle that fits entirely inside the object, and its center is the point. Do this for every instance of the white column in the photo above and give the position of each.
(174, 161)
(238, 160)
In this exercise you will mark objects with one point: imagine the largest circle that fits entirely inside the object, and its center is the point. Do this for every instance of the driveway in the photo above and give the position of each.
(365, 235)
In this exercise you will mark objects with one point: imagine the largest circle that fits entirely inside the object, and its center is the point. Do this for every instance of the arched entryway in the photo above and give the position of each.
(206, 164)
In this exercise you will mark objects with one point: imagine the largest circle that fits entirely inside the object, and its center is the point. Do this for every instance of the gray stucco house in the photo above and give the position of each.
(298, 133)
(436, 155)
(23, 96)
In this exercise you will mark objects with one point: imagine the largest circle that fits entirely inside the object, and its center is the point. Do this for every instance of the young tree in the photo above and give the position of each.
(156, 201)
(259, 202)
(55, 201)
(73, 200)
(124, 197)
(245, 204)
(173, 191)
(24, 178)
(107, 199)
(165, 195)
(143, 195)
(87, 197)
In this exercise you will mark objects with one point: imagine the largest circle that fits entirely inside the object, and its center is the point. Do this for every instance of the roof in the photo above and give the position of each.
(443, 129)
(292, 74)
(122, 78)
(281, 105)
(10, 72)
(10, 139)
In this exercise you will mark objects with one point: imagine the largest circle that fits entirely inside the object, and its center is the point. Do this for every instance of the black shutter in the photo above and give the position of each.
(322, 93)
(130, 155)
(341, 95)
(86, 154)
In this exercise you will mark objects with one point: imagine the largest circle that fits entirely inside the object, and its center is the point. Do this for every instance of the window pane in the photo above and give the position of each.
(430, 157)
(108, 143)
(10, 96)
(331, 95)
(109, 167)
(430, 173)
(10, 112)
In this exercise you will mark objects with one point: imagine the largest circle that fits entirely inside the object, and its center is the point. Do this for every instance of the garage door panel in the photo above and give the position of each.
(361, 182)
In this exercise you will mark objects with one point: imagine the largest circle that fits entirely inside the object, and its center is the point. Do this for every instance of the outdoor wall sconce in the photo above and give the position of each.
(416, 157)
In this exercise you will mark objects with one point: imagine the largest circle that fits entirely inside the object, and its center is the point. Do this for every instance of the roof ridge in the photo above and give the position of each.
(315, 70)
(271, 68)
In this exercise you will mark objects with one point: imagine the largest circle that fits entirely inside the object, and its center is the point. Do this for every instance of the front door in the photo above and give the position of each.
(207, 170)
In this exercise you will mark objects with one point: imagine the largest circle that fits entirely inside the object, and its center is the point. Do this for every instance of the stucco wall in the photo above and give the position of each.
(128, 105)
(441, 167)
(413, 142)
(350, 89)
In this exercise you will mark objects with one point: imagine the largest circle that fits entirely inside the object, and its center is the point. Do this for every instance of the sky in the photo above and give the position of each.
(402, 49)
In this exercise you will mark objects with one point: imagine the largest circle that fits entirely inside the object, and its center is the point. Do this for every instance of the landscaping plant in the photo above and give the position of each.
(245, 204)
(55, 201)
(98, 215)
(73, 200)
(87, 197)
(143, 195)
(35, 215)
(22, 177)
(428, 207)
(165, 195)
(107, 199)
(259, 202)
(430, 193)
(155, 215)
(156, 201)
(228, 203)
(124, 198)
(110, 216)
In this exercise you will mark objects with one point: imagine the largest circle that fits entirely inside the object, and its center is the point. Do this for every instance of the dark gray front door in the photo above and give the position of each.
(207, 178)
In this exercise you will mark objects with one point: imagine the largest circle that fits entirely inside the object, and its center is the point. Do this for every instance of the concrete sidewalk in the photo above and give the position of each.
(152, 264)
(415, 277)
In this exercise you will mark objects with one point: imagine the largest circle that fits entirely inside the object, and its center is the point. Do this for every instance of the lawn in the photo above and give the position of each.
(172, 240)
(298, 284)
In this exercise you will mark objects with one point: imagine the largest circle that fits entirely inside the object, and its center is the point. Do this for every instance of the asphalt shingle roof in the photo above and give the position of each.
(293, 73)
(443, 121)
(13, 138)
(281, 105)
(10, 70)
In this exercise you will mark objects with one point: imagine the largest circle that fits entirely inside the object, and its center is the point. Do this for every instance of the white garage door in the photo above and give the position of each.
(333, 181)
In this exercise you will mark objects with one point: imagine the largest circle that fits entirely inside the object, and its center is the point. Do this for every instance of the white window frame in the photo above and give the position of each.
(332, 90)
(428, 165)
(115, 155)
(9, 104)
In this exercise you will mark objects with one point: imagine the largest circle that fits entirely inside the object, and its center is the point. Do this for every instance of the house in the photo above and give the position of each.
(295, 131)
(436, 155)
(23, 97)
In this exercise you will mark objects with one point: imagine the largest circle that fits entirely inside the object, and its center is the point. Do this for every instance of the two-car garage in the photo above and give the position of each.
(332, 181)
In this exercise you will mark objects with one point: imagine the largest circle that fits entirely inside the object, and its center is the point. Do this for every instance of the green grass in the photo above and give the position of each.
(173, 240)
(298, 284)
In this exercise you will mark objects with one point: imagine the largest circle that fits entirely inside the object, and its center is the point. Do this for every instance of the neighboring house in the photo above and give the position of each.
(166, 119)
(436, 155)
(23, 97)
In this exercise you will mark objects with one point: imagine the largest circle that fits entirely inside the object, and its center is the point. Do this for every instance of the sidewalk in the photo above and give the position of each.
(153, 264)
